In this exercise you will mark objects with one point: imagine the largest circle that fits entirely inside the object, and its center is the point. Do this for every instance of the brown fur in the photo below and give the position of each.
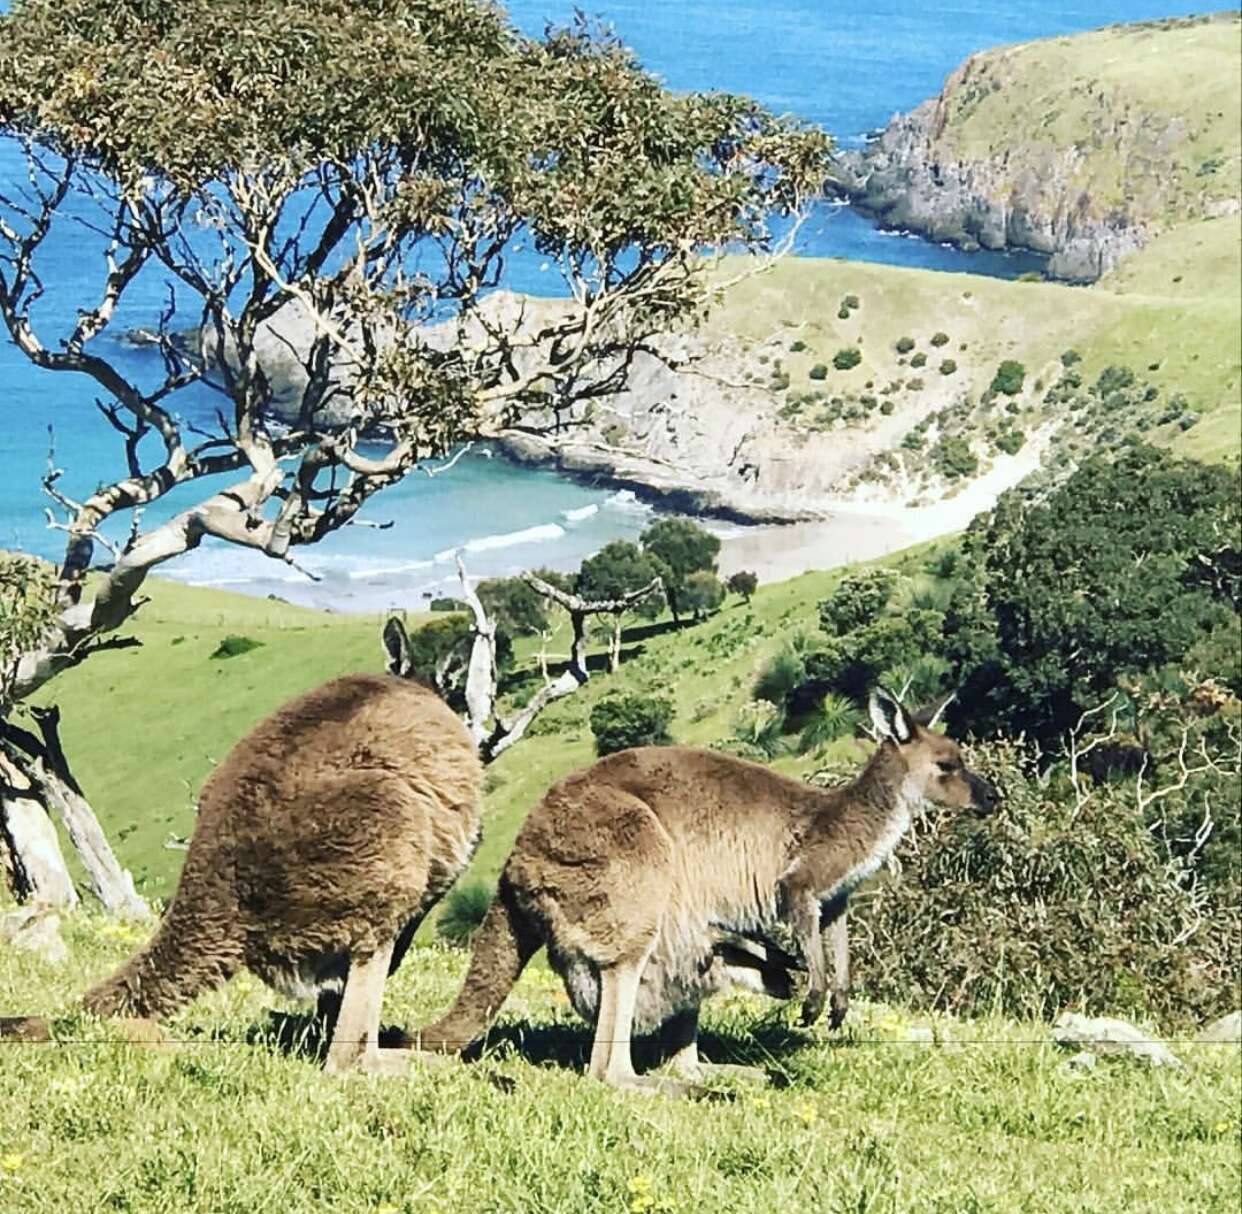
(322, 839)
(627, 870)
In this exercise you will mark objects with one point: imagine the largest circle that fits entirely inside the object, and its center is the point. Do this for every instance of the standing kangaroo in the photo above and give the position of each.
(628, 869)
(322, 840)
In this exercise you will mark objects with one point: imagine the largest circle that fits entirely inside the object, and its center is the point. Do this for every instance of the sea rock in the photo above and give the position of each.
(1105, 1036)
(1226, 1029)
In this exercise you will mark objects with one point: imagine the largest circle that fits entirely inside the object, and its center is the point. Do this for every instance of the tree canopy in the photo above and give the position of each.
(327, 191)
(1125, 567)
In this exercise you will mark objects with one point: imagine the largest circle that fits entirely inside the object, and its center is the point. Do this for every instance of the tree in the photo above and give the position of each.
(617, 571)
(1009, 377)
(744, 583)
(1122, 569)
(703, 593)
(621, 721)
(680, 547)
(326, 193)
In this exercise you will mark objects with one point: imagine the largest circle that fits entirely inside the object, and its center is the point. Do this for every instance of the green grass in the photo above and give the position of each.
(227, 1123)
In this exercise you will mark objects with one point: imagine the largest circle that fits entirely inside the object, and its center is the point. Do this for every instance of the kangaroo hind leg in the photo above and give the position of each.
(355, 1036)
(680, 1040)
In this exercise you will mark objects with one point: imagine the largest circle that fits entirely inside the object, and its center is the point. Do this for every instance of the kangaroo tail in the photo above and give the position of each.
(24, 1028)
(187, 956)
(506, 940)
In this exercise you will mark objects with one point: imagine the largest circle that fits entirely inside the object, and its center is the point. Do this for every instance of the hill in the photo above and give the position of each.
(1082, 147)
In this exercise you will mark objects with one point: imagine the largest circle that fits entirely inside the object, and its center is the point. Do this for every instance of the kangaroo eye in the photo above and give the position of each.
(947, 766)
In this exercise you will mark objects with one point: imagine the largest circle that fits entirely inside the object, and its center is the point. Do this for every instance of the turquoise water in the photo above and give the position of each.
(847, 67)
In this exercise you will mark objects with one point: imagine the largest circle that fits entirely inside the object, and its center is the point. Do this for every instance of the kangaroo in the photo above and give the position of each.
(321, 842)
(626, 871)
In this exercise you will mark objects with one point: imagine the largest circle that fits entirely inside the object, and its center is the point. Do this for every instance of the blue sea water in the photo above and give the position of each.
(848, 67)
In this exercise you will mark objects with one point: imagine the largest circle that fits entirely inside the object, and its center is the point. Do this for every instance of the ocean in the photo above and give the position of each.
(848, 67)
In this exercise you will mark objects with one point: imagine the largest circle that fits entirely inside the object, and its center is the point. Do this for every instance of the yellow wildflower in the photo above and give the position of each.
(806, 1112)
(640, 1184)
(644, 1201)
(1221, 1127)
(12, 1162)
(386, 1208)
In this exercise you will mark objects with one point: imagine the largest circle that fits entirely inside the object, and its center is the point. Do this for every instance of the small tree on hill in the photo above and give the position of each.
(324, 195)
(744, 583)
(702, 594)
(618, 571)
(680, 548)
(1009, 377)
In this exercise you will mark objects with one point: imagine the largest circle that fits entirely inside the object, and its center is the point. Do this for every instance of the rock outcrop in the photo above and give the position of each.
(1078, 148)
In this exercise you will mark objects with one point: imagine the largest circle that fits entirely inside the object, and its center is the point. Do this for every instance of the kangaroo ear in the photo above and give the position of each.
(397, 657)
(929, 716)
(888, 716)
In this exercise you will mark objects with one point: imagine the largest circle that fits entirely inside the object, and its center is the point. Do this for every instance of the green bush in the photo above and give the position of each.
(918, 360)
(702, 594)
(843, 313)
(447, 604)
(850, 301)
(886, 407)
(1021, 926)
(940, 339)
(1070, 357)
(915, 384)
(780, 381)
(462, 912)
(235, 646)
(818, 371)
(1011, 441)
(948, 366)
(1113, 379)
(847, 358)
(759, 726)
(622, 720)
(744, 583)
(905, 345)
(1009, 378)
(952, 457)
(835, 716)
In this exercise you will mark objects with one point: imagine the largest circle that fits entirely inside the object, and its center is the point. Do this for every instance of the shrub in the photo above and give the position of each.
(1021, 926)
(948, 366)
(818, 371)
(780, 381)
(843, 313)
(835, 716)
(918, 360)
(1113, 379)
(462, 913)
(952, 457)
(448, 604)
(940, 339)
(1070, 357)
(905, 345)
(1011, 441)
(915, 384)
(784, 671)
(235, 646)
(759, 726)
(1009, 378)
(620, 721)
(850, 301)
(847, 358)
(886, 407)
(798, 347)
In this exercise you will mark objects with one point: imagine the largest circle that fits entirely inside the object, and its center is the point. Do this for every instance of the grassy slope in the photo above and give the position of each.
(872, 1122)
(1174, 306)
(1095, 90)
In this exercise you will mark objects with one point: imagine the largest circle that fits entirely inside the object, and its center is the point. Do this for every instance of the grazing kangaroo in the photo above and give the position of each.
(628, 870)
(322, 840)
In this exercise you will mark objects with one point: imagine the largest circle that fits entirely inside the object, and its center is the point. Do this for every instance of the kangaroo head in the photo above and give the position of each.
(935, 769)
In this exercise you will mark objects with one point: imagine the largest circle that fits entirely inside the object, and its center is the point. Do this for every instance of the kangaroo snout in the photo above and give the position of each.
(984, 795)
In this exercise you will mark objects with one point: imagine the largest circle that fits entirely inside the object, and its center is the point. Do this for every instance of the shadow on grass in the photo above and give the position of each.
(767, 1044)
(304, 1035)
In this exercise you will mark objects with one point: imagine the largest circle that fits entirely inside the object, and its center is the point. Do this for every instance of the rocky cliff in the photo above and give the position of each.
(1079, 147)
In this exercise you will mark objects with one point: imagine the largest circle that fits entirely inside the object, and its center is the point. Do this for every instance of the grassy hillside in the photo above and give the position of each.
(1172, 313)
(1160, 144)
(871, 1121)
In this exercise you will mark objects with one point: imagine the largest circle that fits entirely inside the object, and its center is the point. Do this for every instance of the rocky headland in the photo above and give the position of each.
(1081, 148)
